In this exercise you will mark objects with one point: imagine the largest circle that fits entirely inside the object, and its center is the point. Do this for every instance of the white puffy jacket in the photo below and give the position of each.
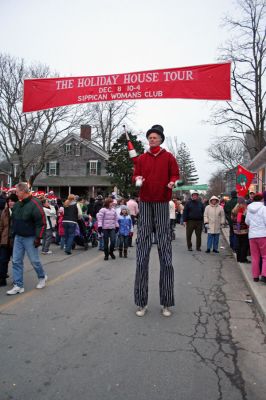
(256, 220)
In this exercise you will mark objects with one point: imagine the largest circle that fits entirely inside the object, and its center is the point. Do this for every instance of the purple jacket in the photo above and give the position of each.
(107, 218)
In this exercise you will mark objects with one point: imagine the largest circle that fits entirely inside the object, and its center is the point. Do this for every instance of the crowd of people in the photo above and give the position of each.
(29, 221)
(109, 224)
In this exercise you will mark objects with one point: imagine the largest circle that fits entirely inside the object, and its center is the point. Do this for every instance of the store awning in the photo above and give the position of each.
(186, 188)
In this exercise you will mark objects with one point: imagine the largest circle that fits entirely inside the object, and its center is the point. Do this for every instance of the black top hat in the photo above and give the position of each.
(156, 129)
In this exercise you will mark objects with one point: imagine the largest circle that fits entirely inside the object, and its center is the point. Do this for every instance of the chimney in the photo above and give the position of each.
(85, 132)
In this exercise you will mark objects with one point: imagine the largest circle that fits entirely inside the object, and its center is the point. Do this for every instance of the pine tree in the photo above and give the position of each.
(187, 167)
(119, 165)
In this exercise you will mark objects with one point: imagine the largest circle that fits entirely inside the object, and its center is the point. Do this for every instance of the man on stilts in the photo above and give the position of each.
(156, 172)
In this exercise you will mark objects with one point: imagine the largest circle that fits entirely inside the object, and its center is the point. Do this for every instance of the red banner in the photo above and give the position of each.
(243, 180)
(206, 82)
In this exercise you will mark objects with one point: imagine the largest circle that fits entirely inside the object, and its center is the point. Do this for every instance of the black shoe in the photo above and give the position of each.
(216, 251)
(190, 249)
(208, 251)
(198, 249)
(263, 279)
(3, 282)
(112, 256)
(68, 252)
(256, 279)
(246, 262)
(105, 258)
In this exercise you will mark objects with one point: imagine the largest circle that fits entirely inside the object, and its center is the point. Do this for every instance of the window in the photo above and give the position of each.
(52, 168)
(68, 148)
(93, 167)
(77, 149)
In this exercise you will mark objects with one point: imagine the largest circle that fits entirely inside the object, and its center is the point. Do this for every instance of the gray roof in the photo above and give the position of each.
(258, 161)
(93, 180)
(86, 142)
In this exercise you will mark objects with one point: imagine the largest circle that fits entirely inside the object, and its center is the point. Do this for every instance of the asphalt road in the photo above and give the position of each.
(79, 337)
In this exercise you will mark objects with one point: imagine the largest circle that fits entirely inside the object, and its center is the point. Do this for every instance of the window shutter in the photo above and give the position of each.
(47, 168)
(99, 165)
(57, 168)
(88, 168)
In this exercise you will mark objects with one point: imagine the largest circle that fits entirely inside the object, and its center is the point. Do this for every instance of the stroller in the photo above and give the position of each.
(85, 234)
(92, 234)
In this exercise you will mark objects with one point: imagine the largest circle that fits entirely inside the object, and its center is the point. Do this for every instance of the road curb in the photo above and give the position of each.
(257, 289)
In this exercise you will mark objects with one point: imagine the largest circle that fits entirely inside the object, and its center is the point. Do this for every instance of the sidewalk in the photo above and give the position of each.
(257, 289)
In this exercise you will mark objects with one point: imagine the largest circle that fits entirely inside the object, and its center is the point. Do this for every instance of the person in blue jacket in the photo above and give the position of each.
(125, 229)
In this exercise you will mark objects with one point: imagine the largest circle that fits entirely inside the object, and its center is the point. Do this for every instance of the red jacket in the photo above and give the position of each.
(158, 170)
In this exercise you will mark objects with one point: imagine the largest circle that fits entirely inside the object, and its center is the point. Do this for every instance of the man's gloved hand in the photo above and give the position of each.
(37, 242)
(116, 229)
(100, 229)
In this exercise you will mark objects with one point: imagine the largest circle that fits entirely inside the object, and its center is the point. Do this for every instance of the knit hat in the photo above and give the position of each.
(258, 197)
(12, 197)
(156, 129)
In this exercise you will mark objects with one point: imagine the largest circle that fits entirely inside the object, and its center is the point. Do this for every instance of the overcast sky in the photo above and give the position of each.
(85, 37)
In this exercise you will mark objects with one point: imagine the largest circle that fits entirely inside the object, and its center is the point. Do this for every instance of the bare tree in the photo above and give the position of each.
(106, 120)
(27, 138)
(227, 152)
(216, 183)
(245, 114)
(173, 145)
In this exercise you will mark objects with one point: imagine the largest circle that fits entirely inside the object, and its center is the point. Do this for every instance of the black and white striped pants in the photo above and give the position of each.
(154, 215)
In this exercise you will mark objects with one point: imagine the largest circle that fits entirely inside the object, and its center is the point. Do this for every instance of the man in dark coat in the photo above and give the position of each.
(193, 220)
(28, 225)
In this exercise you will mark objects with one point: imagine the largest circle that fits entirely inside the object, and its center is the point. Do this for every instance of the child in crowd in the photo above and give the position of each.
(108, 225)
(60, 227)
(100, 234)
(50, 214)
(125, 228)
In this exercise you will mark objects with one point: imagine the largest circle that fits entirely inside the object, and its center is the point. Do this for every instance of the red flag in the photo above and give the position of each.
(243, 180)
(207, 82)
